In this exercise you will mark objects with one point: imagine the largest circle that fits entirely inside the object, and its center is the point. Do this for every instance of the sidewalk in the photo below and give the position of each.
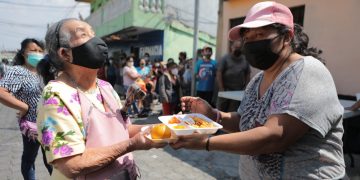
(154, 164)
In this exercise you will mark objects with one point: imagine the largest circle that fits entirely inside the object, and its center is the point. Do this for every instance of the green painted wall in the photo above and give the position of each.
(178, 37)
(96, 4)
(116, 24)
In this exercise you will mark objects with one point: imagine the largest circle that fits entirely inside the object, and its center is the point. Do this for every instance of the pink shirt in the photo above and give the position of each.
(127, 79)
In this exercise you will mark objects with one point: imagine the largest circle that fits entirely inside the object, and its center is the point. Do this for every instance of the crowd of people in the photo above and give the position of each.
(168, 80)
(69, 101)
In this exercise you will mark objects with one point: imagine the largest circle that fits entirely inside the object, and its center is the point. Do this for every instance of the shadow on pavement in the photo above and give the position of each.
(217, 164)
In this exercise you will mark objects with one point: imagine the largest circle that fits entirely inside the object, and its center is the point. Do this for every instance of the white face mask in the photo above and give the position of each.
(130, 64)
(174, 71)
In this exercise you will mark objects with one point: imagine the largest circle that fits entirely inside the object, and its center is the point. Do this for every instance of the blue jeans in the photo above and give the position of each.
(30, 150)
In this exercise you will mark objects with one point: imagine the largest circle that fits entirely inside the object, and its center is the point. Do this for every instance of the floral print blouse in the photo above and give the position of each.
(60, 126)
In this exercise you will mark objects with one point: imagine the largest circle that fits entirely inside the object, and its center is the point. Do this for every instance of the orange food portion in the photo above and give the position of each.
(160, 131)
(201, 123)
(179, 127)
(174, 120)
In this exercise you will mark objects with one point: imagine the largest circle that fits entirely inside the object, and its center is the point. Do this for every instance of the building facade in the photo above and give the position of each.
(331, 25)
(157, 27)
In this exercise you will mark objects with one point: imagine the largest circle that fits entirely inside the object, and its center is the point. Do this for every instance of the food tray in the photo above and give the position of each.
(186, 121)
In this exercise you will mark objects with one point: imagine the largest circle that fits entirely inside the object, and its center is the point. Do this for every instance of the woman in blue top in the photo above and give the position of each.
(143, 70)
(20, 89)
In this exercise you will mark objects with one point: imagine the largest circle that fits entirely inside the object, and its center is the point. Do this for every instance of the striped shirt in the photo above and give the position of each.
(25, 86)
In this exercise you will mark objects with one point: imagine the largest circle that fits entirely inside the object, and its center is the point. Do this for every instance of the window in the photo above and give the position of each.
(236, 21)
(298, 14)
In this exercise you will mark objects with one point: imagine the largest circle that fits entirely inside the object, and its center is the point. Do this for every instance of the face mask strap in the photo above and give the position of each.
(57, 33)
(282, 43)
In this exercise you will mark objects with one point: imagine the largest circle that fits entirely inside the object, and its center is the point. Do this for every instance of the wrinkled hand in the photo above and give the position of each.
(32, 135)
(193, 141)
(140, 142)
(22, 113)
(196, 105)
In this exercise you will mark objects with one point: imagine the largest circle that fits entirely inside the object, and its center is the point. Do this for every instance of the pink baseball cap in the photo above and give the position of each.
(263, 14)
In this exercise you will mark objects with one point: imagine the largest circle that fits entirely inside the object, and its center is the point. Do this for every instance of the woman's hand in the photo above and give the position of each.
(140, 142)
(21, 113)
(193, 141)
(197, 105)
(354, 107)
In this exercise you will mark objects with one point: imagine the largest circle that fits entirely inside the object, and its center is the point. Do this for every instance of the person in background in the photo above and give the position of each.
(80, 125)
(186, 78)
(148, 61)
(233, 74)
(286, 126)
(143, 70)
(2, 69)
(20, 89)
(181, 67)
(110, 70)
(5, 61)
(147, 101)
(170, 60)
(118, 86)
(157, 72)
(122, 64)
(199, 54)
(169, 89)
(205, 71)
(182, 63)
(135, 59)
(130, 74)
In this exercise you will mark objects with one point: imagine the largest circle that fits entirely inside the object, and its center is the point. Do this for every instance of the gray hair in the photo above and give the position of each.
(55, 38)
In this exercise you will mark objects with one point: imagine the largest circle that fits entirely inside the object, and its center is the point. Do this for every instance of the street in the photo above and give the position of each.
(153, 164)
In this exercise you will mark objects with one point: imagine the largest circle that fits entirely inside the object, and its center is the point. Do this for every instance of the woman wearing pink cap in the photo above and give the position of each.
(286, 126)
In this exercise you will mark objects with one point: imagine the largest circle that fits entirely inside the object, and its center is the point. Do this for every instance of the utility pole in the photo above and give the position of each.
(196, 34)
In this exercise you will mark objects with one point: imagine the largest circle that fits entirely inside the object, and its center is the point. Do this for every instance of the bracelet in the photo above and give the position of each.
(218, 116)
(207, 144)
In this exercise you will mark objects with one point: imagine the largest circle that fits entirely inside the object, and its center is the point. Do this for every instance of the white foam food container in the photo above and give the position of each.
(187, 121)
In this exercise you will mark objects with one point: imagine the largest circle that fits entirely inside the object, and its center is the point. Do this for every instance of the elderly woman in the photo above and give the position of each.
(79, 121)
(285, 127)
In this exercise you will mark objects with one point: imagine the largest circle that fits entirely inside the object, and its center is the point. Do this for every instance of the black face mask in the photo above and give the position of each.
(92, 54)
(259, 53)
